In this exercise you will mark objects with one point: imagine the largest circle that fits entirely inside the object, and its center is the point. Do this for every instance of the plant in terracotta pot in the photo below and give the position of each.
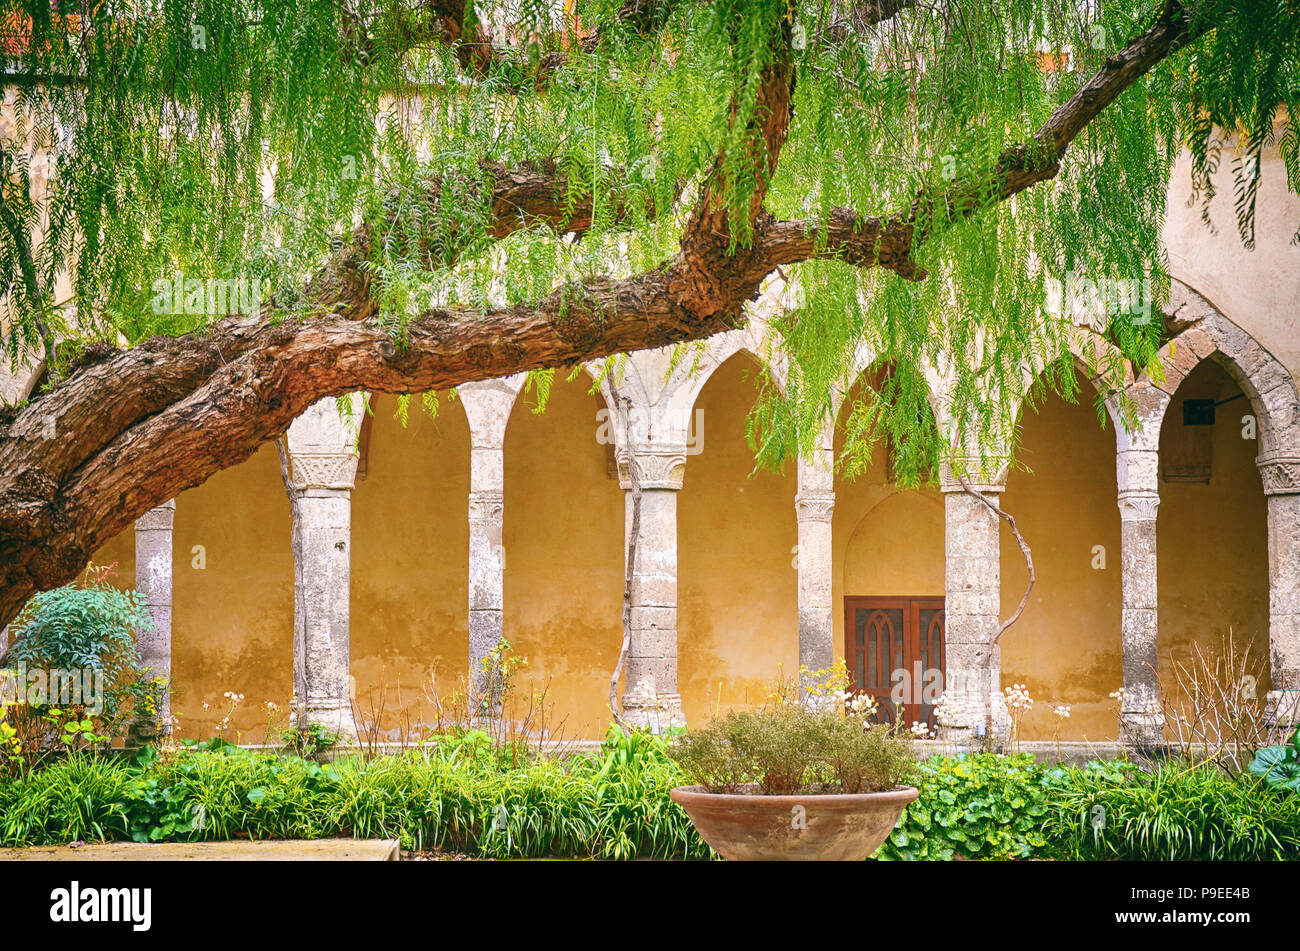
(791, 783)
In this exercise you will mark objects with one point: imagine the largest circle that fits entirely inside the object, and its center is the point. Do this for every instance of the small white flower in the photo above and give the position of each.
(1018, 699)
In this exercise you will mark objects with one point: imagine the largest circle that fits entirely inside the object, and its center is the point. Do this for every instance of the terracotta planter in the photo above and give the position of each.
(748, 826)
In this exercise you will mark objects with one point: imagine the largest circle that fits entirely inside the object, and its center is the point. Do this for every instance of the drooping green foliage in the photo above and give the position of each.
(189, 142)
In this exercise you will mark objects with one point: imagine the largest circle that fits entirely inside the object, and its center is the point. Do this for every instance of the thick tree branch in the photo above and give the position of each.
(131, 429)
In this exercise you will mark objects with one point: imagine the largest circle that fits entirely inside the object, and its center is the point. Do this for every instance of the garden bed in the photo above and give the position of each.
(461, 797)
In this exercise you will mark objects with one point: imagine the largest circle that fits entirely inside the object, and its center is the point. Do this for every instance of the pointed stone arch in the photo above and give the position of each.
(1207, 334)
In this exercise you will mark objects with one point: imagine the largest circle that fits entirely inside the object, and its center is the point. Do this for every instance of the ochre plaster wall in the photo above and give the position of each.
(563, 537)
(737, 585)
(1066, 646)
(118, 555)
(1213, 568)
(232, 599)
(232, 620)
(410, 556)
(1213, 544)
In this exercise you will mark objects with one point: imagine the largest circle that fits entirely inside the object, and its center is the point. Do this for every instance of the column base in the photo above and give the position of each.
(334, 718)
(1143, 730)
(656, 713)
(1282, 711)
(974, 714)
(145, 730)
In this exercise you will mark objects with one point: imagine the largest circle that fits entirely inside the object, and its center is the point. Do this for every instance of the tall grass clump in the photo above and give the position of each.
(1173, 813)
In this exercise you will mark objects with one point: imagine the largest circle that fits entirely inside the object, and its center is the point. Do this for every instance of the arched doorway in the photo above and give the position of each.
(1212, 528)
(563, 543)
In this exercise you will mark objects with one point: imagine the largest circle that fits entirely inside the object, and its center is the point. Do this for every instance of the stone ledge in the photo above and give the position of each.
(236, 850)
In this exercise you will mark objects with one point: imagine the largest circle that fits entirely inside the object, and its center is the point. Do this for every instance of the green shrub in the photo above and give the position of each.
(76, 628)
(789, 749)
(88, 633)
(981, 806)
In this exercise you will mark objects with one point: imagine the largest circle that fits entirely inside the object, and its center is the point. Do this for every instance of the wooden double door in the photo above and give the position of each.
(894, 649)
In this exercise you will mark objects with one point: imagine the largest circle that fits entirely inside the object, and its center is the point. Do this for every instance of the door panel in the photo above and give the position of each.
(895, 647)
(878, 645)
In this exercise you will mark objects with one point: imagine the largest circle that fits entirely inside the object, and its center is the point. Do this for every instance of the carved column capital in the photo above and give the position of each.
(157, 519)
(1138, 505)
(977, 474)
(486, 506)
(1280, 473)
(814, 507)
(322, 470)
(656, 468)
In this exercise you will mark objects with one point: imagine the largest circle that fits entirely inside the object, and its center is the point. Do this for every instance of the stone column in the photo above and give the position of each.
(814, 506)
(322, 469)
(487, 406)
(486, 600)
(1141, 719)
(650, 697)
(972, 606)
(1280, 474)
(153, 579)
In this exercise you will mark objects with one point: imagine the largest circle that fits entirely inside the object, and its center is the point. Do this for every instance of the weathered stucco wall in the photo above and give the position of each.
(1258, 290)
(737, 619)
(232, 620)
(410, 549)
(563, 538)
(232, 598)
(1066, 646)
(119, 555)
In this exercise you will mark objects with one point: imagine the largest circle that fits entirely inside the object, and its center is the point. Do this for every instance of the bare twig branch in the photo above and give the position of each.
(1024, 550)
